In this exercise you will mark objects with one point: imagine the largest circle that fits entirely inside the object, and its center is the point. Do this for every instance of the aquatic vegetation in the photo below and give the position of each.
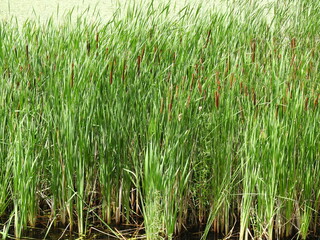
(194, 118)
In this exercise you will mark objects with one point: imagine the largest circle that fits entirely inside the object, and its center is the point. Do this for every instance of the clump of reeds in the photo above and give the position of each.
(162, 119)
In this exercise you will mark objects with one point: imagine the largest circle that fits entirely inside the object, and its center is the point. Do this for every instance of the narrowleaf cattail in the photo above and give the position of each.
(218, 81)
(232, 79)
(97, 40)
(309, 70)
(15, 51)
(88, 47)
(199, 87)
(254, 97)
(170, 105)
(188, 101)
(183, 81)
(192, 81)
(293, 43)
(201, 61)
(197, 68)
(253, 50)
(177, 91)
(208, 38)
(241, 87)
(246, 90)
(174, 57)
(111, 73)
(72, 75)
(306, 103)
(27, 51)
(161, 106)
(284, 103)
(217, 76)
(138, 64)
(216, 98)
(316, 101)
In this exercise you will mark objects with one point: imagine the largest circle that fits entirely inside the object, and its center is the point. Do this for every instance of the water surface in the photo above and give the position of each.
(21, 10)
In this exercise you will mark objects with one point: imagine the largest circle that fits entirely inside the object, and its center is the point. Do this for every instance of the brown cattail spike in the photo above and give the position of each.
(254, 97)
(161, 106)
(15, 51)
(293, 43)
(216, 97)
(111, 74)
(232, 79)
(177, 91)
(188, 101)
(88, 47)
(208, 38)
(253, 50)
(97, 40)
(306, 103)
(316, 101)
(192, 81)
(293, 47)
(27, 51)
(170, 104)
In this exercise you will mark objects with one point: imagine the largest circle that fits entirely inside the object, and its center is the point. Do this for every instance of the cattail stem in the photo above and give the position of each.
(232, 79)
(306, 103)
(72, 75)
(123, 70)
(97, 40)
(199, 87)
(138, 64)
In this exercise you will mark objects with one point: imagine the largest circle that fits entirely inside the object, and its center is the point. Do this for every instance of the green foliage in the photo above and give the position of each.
(188, 118)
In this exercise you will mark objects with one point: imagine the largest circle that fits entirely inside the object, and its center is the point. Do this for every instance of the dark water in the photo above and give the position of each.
(62, 234)
(37, 235)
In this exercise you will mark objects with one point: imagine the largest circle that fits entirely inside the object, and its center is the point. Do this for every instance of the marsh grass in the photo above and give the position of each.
(170, 119)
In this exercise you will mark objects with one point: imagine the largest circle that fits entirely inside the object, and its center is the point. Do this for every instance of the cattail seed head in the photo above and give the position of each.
(306, 103)
(216, 97)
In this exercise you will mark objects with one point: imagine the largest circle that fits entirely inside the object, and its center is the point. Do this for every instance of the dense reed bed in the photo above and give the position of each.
(163, 120)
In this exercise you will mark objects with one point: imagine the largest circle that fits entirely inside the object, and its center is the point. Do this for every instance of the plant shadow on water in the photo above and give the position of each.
(64, 234)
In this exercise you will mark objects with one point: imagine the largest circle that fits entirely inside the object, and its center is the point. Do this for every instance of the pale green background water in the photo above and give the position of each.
(42, 9)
